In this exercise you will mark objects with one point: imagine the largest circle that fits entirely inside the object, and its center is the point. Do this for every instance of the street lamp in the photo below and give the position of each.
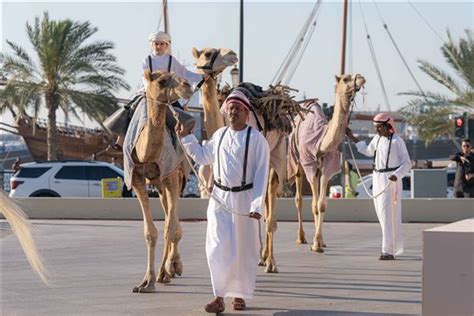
(235, 75)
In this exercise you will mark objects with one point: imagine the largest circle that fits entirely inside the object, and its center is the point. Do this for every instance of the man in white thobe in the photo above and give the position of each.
(240, 156)
(391, 164)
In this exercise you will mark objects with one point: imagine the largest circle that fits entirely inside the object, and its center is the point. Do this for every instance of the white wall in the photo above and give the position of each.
(346, 210)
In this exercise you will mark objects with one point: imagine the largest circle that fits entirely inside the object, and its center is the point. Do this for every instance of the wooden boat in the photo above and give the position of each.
(72, 142)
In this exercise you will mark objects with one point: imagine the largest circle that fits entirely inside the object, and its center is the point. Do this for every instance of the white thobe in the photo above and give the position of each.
(388, 205)
(161, 62)
(232, 241)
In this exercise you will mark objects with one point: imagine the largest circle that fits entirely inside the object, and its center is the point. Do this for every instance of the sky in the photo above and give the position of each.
(271, 27)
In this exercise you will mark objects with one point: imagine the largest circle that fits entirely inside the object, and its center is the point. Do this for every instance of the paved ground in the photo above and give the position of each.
(95, 264)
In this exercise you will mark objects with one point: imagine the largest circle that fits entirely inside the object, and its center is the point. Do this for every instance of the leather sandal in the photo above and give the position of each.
(238, 304)
(214, 307)
(386, 257)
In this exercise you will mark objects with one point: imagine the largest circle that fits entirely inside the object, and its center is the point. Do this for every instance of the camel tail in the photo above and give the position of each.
(22, 229)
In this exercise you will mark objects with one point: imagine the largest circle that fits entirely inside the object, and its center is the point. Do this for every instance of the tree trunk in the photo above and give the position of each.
(52, 105)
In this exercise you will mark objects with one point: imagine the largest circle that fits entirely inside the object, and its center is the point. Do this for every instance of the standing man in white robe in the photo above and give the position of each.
(391, 164)
(232, 241)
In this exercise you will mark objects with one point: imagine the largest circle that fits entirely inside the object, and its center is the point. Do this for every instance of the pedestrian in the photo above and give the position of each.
(391, 164)
(16, 165)
(240, 156)
(464, 178)
(160, 58)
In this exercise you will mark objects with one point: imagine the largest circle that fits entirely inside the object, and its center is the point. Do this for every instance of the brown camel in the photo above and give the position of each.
(153, 141)
(276, 139)
(317, 160)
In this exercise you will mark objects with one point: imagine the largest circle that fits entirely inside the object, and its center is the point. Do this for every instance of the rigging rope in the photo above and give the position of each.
(374, 59)
(295, 48)
(426, 21)
(398, 50)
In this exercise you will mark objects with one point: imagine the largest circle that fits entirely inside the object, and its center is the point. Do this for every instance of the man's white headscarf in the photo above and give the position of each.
(159, 37)
(384, 118)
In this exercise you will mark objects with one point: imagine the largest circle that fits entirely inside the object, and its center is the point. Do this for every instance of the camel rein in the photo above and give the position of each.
(374, 196)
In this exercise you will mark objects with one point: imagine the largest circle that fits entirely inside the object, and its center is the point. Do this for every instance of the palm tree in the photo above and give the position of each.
(429, 111)
(70, 74)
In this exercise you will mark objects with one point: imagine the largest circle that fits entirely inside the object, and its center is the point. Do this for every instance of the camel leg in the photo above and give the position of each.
(314, 207)
(271, 221)
(299, 204)
(150, 232)
(322, 205)
(171, 262)
(265, 250)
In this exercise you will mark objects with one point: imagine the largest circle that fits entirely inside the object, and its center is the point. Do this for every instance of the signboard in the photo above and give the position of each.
(111, 187)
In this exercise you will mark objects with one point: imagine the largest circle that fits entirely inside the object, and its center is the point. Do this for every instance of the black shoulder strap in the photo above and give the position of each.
(247, 141)
(149, 63)
(219, 156)
(259, 126)
(389, 146)
(169, 63)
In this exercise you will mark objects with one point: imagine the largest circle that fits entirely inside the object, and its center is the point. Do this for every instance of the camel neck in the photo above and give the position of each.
(337, 125)
(213, 119)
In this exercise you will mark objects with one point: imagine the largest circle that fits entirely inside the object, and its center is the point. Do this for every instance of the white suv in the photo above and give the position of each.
(62, 178)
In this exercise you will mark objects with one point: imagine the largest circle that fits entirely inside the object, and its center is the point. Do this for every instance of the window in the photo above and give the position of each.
(97, 173)
(71, 173)
(31, 172)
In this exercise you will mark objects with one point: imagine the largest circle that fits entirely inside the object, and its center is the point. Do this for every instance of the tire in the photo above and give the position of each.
(44, 194)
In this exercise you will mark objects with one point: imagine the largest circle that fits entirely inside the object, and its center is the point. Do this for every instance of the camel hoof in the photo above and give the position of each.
(164, 278)
(178, 267)
(148, 289)
(271, 268)
(317, 249)
(301, 241)
(261, 263)
(324, 245)
(169, 267)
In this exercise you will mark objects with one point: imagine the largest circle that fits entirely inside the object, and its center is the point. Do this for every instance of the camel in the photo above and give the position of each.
(316, 153)
(276, 139)
(154, 141)
(22, 229)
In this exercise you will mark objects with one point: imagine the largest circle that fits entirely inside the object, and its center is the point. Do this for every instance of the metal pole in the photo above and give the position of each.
(342, 71)
(165, 16)
(241, 54)
(344, 31)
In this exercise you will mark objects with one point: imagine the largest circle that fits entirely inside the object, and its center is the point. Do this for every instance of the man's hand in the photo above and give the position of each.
(255, 215)
(393, 177)
(464, 159)
(350, 135)
(180, 130)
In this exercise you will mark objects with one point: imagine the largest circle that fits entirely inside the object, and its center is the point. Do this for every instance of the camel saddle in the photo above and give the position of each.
(118, 122)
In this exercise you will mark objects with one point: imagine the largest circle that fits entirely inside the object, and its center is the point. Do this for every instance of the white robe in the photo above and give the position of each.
(388, 205)
(232, 241)
(160, 62)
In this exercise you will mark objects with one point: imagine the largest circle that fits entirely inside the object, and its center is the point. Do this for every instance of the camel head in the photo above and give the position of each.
(347, 86)
(166, 87)
(214, 60)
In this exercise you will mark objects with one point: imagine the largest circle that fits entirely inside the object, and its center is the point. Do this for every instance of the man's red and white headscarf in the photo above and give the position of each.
(235, 97)
(382, 118)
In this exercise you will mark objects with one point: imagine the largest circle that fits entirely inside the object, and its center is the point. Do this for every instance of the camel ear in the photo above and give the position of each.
(147, 75)
(196, 53)
(338, 78)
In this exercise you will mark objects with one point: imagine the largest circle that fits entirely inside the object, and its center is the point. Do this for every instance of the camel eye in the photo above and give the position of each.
(208, 54)
(162, 81)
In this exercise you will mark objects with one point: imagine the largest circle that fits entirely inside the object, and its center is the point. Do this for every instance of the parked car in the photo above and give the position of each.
(406, 182)
(62, 178)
